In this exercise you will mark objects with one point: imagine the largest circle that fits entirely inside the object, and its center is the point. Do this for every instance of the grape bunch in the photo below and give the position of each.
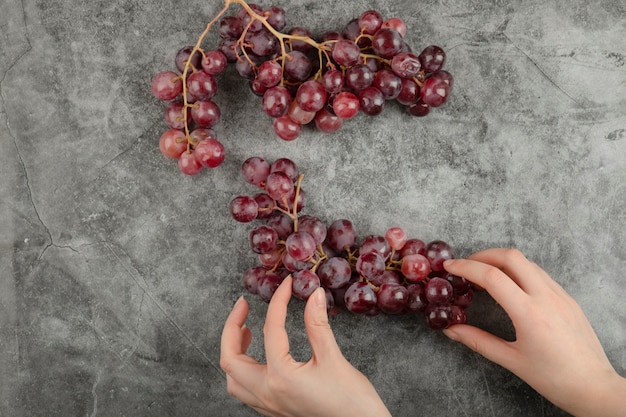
(389, 274)
(302, 79)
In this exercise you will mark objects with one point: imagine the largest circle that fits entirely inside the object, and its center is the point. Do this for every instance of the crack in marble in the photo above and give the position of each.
(142, 284)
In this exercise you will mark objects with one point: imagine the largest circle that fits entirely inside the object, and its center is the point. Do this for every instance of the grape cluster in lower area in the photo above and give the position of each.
(392, 274)
(302, 79)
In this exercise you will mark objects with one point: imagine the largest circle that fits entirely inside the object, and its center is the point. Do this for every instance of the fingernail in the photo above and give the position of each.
(448, 262)
(239, 300)
(451, 334)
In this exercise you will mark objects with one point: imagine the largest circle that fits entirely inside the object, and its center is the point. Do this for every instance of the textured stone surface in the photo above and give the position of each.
(118, 272)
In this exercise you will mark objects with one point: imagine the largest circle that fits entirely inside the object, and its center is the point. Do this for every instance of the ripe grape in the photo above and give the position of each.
(341, 235)
(263, 239)
(360, 297)
(166, 85)
(214, 62)
(276, 101)
(205, 113)
(286, 129)
(188, 164)
(327, 122)
(244, 209)
(202, 85)
(255, 170)
(173, 143)
(300, 245)
(346, 105)
(392, 298)
(432, 58)
(387, 42)
(335, 272)
(311, 96)
(371, 101)
(304, 284)
(209, 152)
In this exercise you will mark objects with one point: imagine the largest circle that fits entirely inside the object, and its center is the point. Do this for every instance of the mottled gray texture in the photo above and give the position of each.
(118, 272)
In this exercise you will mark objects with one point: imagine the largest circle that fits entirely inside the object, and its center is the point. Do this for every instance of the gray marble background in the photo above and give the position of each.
(117, 271)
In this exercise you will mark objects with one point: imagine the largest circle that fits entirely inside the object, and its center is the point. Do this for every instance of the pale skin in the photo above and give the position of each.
(556, 350)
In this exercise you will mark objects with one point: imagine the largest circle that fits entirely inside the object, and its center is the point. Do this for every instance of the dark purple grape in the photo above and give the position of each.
(370, 22)
(276, 101)
(386, 43)
(370, 265)
(438, 317)
(214, 62)
(201, 85)
(298, 66)
(230, 49)
(268, 286)
(377, 244)
(409, 92)
(286, 129)
(167, 85)
(419, 109)
(230, 27)
(438, 291)
(253, 277)
(255, 170)
(311, 96)
(359, 77)
(205, 113)
(265, 204)
(263, 239)
(417, 298)
(415, 267)
(304, 284)
(437, 252)
(327, 122)
(300, 245)
(269, 73)
(388, 83)
(388, 276)
(346, 53)
(372, 101)
(298, 45)
(406, 65)
(182, 56)
(278, 185)
(432, 58)
(333, 80)
(392, 298)
(276, 18)
(464, 300)
(281, 223)
(341, 235)
(434, 92)
(292, 264)
(262, 43)
(174, 114)
(458, 315)
(360, 298)
(315, 227)
(244, 209)
(334, 273)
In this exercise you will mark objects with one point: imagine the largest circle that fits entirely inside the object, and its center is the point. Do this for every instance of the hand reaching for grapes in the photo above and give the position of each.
(327, 385)
(556, 350)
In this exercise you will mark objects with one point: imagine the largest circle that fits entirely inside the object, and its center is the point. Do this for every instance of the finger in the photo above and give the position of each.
(276, 339)
(514, 264)
(506, 292)
(232, 342)
(321, 338)
(484, 343)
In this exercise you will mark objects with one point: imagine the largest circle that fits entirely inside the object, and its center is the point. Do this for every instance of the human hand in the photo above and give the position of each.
(556, 350)
(327, 385)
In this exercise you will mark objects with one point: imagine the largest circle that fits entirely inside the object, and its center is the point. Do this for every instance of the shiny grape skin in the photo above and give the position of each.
(311, 96)
(341, 235)
(276, 101)
(281, 223)
(435, 91)
(205, 113)
(432, 58)
(244, 209)
(304, 283)
(209, 152)
(335, 272)
(268, 286)
(327, 122)
(300, 245)
(188, 164)
(253, 277)
(315, 227)
(174, 114)
(388, 83)
(386, 43)
(370, 265)
(346, 53)
(377, 244)
(286, 129)
(392, 298)
(263, 239)
(438, 317)
(437, 252)
(370, 21)
(346, 105)
(438, 291)
(166, 85)
(360, 298)
(359, 77)
(415, 267)
(255, 170)
(372, 101)
(173, 143)
(214, 62)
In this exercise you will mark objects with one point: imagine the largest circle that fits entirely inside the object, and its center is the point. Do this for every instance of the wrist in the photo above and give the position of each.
(607, 398)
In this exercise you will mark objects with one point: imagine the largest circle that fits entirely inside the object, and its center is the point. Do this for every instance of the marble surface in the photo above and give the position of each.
(118, 271)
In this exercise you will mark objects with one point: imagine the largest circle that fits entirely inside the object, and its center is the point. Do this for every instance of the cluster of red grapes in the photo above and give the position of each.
(390, 274)
(302, 79)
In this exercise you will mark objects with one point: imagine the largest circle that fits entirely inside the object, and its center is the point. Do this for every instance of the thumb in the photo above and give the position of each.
(486, 344)
(318, 329)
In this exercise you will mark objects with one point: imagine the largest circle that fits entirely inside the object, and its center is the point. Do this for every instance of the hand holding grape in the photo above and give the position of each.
(327, 385)
(556, 350)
